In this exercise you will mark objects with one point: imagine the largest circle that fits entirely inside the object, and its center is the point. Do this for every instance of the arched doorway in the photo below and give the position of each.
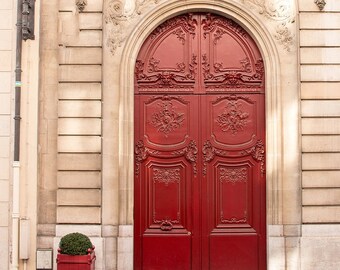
(199, 147)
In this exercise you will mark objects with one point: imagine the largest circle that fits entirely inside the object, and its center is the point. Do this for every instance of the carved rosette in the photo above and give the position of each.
(190, 153)
(258, 153)
(233, 119)
(167, 119)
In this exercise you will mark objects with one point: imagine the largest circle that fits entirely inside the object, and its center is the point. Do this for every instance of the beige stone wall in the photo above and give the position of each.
(7, 51)
(86, 123)
(320, 128)
(320, 76)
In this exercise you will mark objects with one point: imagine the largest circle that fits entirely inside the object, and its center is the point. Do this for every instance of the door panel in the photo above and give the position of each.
(199, 147)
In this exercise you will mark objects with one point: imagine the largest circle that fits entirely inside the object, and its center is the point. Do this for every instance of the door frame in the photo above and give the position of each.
(282, 167)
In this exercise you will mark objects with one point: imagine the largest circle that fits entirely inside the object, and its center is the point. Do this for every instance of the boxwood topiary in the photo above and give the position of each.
(75, 244)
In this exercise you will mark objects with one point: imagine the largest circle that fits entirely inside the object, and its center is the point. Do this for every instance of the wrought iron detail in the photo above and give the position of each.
(166, 176)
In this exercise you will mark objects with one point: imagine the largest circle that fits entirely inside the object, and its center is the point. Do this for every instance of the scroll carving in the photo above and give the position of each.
(119, 14)
(141, 154)
(212, 23)
(181, 77)
(190, 153)
(258, 154)
(209, 153)
(186, 22)
(243, 77)
(233, 219)
(280, 11)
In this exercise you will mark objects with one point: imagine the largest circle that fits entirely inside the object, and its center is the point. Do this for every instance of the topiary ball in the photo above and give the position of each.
(75, 244)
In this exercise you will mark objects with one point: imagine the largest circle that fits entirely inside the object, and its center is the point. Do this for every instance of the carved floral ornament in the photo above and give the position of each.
(121, 14)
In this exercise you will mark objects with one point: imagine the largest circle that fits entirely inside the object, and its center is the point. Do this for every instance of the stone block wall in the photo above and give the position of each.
(320, 127)
(7, 49)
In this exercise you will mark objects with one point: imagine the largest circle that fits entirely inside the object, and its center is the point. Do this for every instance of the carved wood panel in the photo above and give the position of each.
(199, 145)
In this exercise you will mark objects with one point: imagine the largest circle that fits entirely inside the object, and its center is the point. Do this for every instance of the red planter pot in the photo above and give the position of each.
(76, 262)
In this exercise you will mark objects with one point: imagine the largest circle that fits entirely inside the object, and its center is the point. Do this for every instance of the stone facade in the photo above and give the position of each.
(77, 123)
(7, 52)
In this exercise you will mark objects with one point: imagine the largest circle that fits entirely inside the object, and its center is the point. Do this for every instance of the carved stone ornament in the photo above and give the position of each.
(119, 15)
(81, 5)
(280, 11)
(320, 3)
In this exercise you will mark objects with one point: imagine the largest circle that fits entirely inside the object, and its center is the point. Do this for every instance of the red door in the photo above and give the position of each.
(199, 147)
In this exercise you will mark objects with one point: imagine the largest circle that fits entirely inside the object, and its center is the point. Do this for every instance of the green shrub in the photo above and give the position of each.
(75, 244)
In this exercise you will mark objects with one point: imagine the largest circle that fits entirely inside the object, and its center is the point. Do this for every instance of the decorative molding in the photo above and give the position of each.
(233, 119)
(233, 219)
(166, 176)
(119, 15)
(167, 119)
(181, 78)
(233, 175)
(141, 154)
(258, 154)
(209, 153)
(280, 11)
(190, 153)
(320, 3)
(81, 4)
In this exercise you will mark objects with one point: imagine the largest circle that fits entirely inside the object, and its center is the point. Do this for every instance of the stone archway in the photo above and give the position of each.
(122, 214)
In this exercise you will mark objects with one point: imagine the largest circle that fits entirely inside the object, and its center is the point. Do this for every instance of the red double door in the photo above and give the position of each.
(199, 200)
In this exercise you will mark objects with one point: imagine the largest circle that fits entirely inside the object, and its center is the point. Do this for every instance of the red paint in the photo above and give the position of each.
(199, 147)
(76, 262)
